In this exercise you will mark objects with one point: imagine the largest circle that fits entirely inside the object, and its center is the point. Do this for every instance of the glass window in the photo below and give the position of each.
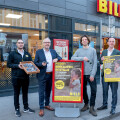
(8, 38)
(68, 36)
(91, 28)
(104, 30)
(97, 29)
(60, 23)
(76, 39)
(116, 32)
(80, 27)
(10, 17)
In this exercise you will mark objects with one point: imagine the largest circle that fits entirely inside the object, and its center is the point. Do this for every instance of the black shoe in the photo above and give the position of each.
(112, 112)
(29, 110)
(102, 107)
(17, 113)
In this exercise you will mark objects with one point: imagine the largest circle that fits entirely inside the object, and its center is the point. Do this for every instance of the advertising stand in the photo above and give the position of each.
(111, 66)
(62, 48)
(67, 86)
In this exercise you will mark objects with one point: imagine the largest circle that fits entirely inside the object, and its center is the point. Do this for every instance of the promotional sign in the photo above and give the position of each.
(111, 66)
(62, 48)
(109, 7)
(67, 81)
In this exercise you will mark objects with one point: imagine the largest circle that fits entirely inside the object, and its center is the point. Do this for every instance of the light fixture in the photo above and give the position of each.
(13, 16)
(36, 34)
(76, 37)
(1, 30)
(46, 21)
(89, 29)
(5, 24)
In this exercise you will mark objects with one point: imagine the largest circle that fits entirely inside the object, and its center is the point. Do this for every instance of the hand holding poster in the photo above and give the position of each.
(112, 68)
(68, 81)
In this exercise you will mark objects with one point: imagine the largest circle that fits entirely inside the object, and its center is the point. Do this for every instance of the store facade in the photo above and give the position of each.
(33, 20)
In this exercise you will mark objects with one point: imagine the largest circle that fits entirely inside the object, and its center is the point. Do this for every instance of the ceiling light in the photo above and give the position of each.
(36, 34)
(76, 37)
(46, 21)
(5, 24)
(14, 16)
(89, 29)
(1, 30)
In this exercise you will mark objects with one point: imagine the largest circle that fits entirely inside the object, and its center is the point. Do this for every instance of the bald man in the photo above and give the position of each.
(114, 85)
(44, 59)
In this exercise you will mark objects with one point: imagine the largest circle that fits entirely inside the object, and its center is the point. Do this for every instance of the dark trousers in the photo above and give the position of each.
(93, 87)
(45, 86)
(114, 87)
(17, 85)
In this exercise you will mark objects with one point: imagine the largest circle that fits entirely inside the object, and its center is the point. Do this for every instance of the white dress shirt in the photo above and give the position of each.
(22, 53)
(110, 52)
(48, 60)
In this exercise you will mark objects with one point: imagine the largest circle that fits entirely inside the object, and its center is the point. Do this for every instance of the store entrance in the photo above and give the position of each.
(105, 45)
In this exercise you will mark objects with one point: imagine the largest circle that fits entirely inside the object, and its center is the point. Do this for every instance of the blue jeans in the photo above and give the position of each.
(45, 86)
(114, 87)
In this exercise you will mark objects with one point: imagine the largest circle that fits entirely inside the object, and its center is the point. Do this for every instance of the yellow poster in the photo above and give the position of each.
(111, 66)
(67, 81)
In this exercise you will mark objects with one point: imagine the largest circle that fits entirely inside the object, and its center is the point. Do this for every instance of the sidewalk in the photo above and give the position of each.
(7, 109)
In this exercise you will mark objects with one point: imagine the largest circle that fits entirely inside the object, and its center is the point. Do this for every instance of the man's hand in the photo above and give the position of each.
(102, 58)
(44, 63)
(20, 66)
(55, 60)
(85, 59)
(91, 79)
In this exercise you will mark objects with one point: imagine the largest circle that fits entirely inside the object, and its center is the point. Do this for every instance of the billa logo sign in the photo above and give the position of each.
(109, 7)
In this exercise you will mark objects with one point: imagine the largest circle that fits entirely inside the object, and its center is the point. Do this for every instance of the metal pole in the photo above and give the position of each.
(100, 40)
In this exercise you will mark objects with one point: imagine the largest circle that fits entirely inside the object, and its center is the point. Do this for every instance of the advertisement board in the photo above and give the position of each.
(62, 48)
(67, 81)
(111, 66)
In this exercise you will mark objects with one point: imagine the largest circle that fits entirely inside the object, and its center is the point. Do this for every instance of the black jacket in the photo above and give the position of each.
(13, 61)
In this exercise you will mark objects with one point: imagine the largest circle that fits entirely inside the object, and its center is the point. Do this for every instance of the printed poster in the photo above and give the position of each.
(68, 81)
(112, 68)
(62, 48)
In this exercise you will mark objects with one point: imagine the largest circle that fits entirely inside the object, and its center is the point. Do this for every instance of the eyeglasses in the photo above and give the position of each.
(46, 42)
(20, 42)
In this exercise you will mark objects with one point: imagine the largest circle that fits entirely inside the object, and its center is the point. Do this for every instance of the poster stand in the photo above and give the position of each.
(67, 112)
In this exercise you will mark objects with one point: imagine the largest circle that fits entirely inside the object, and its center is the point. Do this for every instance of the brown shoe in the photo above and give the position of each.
(85, 107)
(92, 111)
(49, 108)
(41, 113)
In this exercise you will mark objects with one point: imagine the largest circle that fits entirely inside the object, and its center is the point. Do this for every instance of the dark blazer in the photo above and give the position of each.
(104, 53)
(39, 58)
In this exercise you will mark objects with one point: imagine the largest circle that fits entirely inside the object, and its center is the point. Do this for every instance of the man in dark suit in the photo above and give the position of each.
(44, 59)
(114, 85)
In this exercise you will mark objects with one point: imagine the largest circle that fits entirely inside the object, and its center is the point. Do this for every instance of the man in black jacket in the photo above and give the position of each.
(19, 77)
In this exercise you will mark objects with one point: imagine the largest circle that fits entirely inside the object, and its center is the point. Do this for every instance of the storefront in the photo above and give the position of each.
(33, 20)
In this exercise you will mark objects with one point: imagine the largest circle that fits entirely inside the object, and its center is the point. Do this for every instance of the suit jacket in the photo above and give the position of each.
(40, 57)
(104, 53)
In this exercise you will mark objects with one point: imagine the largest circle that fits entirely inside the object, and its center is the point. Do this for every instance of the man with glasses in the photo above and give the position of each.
(19, 78)
(44, 60)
